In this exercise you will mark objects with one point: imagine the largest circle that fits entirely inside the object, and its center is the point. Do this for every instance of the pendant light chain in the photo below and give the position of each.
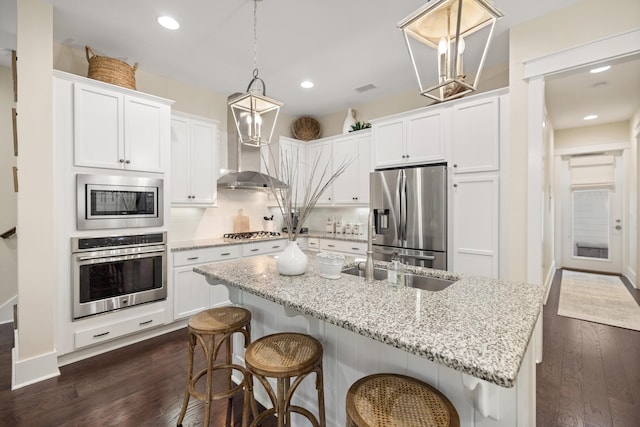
(255, 37)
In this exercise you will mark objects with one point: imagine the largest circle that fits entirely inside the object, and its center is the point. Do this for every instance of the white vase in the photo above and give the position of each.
(292, 261)
(349, 121)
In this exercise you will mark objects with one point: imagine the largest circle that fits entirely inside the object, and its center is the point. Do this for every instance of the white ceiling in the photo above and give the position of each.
(341, 45)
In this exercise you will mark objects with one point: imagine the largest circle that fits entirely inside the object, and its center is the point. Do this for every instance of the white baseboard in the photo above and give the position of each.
(6, 310)
(29, 371)
(632, 277)
(549, 280)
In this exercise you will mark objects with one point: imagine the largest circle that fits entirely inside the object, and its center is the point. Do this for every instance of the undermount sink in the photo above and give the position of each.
(427, 283)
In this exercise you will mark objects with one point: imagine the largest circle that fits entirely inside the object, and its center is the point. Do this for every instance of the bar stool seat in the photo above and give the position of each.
(284, 356)
(393, 400)
(211, 329)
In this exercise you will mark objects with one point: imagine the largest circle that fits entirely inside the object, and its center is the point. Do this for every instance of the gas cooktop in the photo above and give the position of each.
(251, 235)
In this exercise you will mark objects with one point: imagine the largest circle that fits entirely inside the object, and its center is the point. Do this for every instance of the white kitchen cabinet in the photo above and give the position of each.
(194, 148)
(475, 136)
(110, 331)
(415, 139)
(476, 220)
(292, 167)
(319, 163)
(344, 246)
(191, 291)
(116, 129)
(262, 248)
(352, 187)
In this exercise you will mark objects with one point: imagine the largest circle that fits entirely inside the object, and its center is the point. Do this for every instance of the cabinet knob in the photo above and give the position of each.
(121, 160)
(455, 165)
(127, 161)
(407, 156)
(455, 185)
(403, 156)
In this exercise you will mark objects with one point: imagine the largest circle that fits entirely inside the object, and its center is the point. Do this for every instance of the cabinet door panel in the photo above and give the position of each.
(179, 160)
(365, 167)
(190, 292)
(143, 135)
(322, 153)
(203, 173)
(293, 158)
(476, 136)
(475, 225)
(425, 138)
(344, 188)
(97, 127)
(389, 143)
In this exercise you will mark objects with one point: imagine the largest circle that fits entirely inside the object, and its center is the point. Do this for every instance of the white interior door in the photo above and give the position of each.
(592, 225)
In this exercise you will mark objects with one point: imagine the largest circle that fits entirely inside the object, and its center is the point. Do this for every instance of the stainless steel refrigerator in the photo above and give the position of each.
(410, 213)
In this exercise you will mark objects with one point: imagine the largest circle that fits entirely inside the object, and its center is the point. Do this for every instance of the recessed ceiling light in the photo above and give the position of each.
(599, 69)
(168, 22)
(591, 117)
(307, 84)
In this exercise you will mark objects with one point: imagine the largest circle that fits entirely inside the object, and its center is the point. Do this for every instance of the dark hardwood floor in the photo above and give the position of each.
(140, 385)
(590, 373)
(590, 376)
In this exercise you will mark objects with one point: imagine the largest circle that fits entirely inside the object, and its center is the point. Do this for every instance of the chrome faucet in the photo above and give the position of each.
(368, 267)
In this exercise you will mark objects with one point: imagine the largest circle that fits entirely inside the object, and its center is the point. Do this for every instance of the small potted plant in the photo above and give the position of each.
(359, 126)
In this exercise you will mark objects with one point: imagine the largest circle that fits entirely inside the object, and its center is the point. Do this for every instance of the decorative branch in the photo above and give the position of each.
(287, 196)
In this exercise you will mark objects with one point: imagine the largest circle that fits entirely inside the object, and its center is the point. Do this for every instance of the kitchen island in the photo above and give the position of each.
(473, 340)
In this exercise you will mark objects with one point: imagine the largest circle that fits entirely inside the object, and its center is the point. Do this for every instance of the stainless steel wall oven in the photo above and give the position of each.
(111, 201)
(114, 272)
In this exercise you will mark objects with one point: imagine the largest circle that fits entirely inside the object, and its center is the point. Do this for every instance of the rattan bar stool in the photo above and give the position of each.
(211, 329)
(393, 400)
(284, 356)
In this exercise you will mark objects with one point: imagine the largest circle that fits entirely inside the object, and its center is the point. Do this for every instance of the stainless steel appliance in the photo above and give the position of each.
(410, 215)
(113, 272)
(109, 201)
(250, 235)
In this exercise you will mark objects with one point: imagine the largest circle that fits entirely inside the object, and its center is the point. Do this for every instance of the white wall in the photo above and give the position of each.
(593, 135)
(8, 198)
(573, 26)
(494, 77)
(633, 220)
(34, 355)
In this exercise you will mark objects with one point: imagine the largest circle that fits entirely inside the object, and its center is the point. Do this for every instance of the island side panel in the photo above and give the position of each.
(349, 356)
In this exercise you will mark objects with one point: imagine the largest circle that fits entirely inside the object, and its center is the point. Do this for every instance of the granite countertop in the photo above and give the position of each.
(209, 243)
(478, 326)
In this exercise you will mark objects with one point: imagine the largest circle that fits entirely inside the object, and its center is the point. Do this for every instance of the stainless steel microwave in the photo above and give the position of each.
(111, 201)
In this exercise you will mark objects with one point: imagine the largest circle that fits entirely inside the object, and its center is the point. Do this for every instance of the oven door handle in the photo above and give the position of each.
(124, 253)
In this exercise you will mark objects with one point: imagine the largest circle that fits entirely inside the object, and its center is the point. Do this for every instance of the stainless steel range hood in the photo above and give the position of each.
(235, 177)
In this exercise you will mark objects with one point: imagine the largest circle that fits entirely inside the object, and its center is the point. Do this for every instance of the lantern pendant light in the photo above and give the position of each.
(443, 25)
(255, 114)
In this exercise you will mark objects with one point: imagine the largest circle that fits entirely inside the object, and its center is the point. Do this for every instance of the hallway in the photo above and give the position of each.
(590, 375)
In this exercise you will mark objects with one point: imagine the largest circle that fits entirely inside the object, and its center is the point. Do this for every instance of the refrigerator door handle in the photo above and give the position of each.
(403, 208)
(398, 207)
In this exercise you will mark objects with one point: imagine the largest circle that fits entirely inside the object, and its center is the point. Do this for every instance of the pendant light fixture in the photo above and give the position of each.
(255, 114)
(441, 27)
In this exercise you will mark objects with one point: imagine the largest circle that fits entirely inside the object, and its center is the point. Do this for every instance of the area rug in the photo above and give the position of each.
(598, 298)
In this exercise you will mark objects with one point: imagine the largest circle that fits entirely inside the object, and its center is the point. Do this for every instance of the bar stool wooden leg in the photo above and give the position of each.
(212, 330)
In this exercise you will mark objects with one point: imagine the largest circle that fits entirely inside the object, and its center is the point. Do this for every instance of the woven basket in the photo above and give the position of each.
(110, 70)
(306, 129)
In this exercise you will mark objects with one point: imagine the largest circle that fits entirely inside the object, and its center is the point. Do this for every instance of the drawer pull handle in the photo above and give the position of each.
(192, 258)
(332, 246)
(275, 247)
(146, 322)
(101, 335)
(226, 254)
(255, 249)
(356, 249)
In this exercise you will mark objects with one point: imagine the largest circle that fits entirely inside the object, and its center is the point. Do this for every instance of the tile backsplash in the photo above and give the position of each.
(201, 223)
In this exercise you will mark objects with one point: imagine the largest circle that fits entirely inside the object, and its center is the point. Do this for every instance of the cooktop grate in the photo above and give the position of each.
(251, 235)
